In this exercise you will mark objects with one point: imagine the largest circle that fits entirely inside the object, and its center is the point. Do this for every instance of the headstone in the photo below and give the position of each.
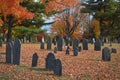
(79, 48)
(113, 50)
(85, 44)
(55, 50)
(9, 53)
(0, 43)
(106, 55)
(97, 45)
(57, 67)
(59, 44)
(17, 52)
(75, 43)
(42, 45)
(34, 60)
(119, 40)
(49, 43)
(76, 51)
(50, 61)
(68, 50)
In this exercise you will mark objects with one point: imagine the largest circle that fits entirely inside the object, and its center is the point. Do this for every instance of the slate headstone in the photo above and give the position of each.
(97, 45)
(9, 53)
(55, 49)
(34, 60)
(42, 45)
(49, 43)
(76, 51)
(106, 55)
(57, 67)
(50, 61)
(59, 44)
(75, 43)
(113, 50)
(68, 50)
(85, 44)
(17, 52)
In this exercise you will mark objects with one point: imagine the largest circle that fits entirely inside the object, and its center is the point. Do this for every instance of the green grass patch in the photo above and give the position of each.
(5, 77)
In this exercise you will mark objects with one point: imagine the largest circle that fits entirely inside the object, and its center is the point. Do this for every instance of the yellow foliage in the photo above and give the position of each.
(96, 30)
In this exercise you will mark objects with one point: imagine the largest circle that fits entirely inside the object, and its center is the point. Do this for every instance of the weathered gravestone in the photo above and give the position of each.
(106, 55)
(59, 44)
(57, 67)
(42, 45)
(85, 44)
(17, 52)
(55, 50)
(0, 43)
(9, 53)
(34, 60)
(68, 50)
(75, 43)
(50, 61)
(113, 50)
(97, 45)
(49, 43)
(76, 51)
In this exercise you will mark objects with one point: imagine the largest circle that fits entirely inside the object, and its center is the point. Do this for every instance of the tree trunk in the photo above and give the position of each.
(10, 23)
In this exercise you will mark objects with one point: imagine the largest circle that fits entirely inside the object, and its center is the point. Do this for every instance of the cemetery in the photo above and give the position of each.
(59, 40)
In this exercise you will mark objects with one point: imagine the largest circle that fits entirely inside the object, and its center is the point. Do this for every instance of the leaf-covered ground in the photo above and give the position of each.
(86, 66)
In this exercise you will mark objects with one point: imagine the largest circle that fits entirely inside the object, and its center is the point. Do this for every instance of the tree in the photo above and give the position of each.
(69, 12)
(12, 13)
(102, 10)
(58, 28)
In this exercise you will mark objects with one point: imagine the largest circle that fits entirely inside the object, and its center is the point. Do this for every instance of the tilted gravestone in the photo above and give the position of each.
(59, 44)
(0, 43)
(97, 45)
(17, 52)
(49, 43)
(57, 67)
(85, 44)
(55, 49)
(75, 43)
(42, 45)
(50, 61)
(34, 60)
(113, 50)
(76, 51)
(68, 50)
(106, 55)
(9, 53)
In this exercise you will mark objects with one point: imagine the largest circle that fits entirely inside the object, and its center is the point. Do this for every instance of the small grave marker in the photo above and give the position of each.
(34, 60)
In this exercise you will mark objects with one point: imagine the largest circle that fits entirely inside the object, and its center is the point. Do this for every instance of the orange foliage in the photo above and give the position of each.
(59, 27)
(13, 7)
(59, 4)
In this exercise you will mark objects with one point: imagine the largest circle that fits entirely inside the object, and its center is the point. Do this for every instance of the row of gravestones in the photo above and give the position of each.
(76, 47)
(49, 44)
(13, 52)
(51, 63)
